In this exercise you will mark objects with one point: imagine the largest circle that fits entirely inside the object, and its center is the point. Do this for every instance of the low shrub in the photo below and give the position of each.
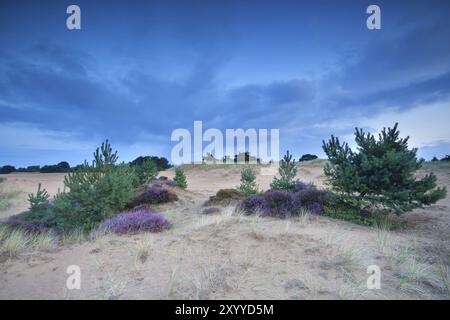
(225, 197)
(284, 203)
(30, 222)
(136, 221)
(154, 195)
(280, 203)
(254, 204)
(162, 182)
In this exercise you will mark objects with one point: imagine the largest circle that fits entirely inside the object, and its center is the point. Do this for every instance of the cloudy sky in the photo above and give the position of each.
(137, 70)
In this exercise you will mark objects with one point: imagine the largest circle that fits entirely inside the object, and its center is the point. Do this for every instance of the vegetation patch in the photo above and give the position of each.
(225, 197)
(136, 221)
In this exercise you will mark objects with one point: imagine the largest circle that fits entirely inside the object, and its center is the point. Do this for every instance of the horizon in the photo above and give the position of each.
(136, 72)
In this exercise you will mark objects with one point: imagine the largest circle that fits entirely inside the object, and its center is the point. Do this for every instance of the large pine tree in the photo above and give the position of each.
(381, 175)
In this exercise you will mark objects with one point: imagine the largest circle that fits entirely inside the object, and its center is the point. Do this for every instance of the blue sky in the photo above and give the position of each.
(137, 70)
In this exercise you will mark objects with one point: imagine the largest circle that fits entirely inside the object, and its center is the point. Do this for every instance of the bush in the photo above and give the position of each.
(248, 181)
(146, 171)
(154, 195)
(284, 203)
(180, 178)
(287, 171)
(225, 197)
(136, 221)
(381, 176)
(307, 157)
(280, 203)
(254, 204)
(35, 223)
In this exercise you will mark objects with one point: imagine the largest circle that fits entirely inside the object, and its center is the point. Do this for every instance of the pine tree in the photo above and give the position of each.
(248, 181)
(287, 171)
(104, 157)
(381, 174)
(180, 178)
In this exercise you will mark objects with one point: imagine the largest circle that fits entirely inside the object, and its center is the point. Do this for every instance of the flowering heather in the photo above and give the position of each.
(315, 208)
(18, 222)
(254, 204)
(279, 203)
(136, 221)
(153, 195)
(283, 203)
(162, 182)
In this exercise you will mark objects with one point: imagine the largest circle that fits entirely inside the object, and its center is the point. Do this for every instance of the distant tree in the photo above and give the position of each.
(446, 158)
(434, 159)
(308, 157)
(56, 168)
(161, 162)
(146, 171)
(381, 175)
(7, 169)
(287, 171)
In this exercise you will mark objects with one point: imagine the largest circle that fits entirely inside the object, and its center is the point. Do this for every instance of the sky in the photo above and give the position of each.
(137, 70)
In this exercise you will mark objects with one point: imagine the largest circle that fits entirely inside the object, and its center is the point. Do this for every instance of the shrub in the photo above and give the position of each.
(287, 171)
(136, 221)
(381, 176)
(310, 196)
(254, 204)
(162, 182)
(307, 157)
(180, 178)
(154, 195)
(248, 181)
(225, 197)
(30, 222)
(161, 162)
(146, 171)
(280, 203)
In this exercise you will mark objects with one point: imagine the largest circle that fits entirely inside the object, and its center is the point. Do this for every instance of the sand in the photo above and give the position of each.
(227, 256)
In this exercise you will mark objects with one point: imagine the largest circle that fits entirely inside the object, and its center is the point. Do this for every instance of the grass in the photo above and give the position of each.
(6, 197)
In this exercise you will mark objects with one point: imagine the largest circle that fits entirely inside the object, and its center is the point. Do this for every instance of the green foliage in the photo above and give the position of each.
(39, 201)
(180, 178)
(104, 157)
(380, 177)
(146, 171)
(93, 196)
(446, 158)
(248, 181)
(161, 162)
(307, 157)
(287, 171)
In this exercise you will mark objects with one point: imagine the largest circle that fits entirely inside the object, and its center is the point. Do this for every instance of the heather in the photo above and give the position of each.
(141, 220)
(285, 203)
(151, 194)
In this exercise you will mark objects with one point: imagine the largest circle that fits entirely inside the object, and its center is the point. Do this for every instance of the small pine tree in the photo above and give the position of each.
(40, 201)
(381, 175)
(105, 158)
(180, 178)
(248, 181)
(287, 171)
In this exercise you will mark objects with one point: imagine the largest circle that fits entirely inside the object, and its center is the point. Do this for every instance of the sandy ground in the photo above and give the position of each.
(229, 256)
